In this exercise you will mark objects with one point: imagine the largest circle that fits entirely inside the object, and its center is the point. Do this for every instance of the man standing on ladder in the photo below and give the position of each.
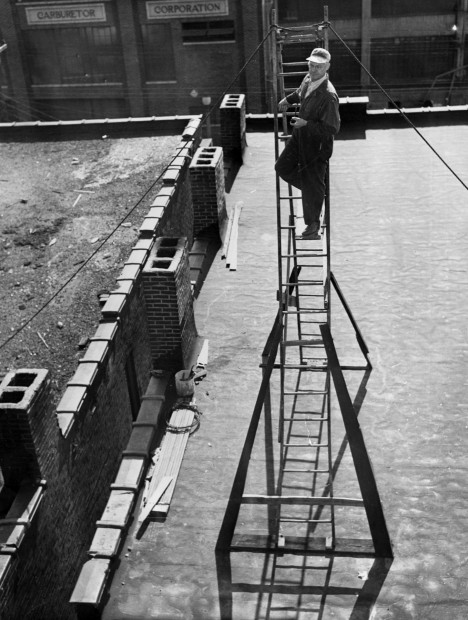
(303, 162)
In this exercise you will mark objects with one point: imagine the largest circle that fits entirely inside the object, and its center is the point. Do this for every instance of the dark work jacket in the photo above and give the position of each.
(321, 111)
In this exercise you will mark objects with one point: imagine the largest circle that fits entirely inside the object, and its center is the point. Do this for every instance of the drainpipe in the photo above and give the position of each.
(461, 36)
(365, 43)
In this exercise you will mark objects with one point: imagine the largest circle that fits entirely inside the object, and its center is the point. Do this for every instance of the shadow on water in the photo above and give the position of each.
(309, 579)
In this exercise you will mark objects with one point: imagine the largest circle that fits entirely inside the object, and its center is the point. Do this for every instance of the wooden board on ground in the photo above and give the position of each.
(202, 359)
(231, 256)
(170, 459)
(153, 499)
(225, 233)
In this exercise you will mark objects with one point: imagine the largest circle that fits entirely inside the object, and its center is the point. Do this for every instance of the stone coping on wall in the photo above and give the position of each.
(112, 527)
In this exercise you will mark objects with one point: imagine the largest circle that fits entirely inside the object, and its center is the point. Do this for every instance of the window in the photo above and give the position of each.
(158, 55)
(419, 59)
(208, 32)
(74, 55)
(132, 385)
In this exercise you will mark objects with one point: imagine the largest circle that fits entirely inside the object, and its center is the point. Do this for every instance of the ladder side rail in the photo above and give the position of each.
(362, 463)
(359, 336)
(231, 515)
(276, 140)
(327, 295)
(284, 298)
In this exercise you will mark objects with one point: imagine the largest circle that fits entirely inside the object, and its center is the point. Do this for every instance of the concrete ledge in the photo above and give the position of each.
(106, 542)
(130, 473)
(118, 509)
(90, 584)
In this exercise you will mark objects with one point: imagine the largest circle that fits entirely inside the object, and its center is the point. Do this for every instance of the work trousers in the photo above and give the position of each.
(300, 167)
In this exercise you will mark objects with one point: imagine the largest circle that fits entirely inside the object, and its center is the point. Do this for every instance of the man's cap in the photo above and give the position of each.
(319, 55)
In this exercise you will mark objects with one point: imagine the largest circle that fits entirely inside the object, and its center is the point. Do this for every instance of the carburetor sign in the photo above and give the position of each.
(182, 8)
(65, 14)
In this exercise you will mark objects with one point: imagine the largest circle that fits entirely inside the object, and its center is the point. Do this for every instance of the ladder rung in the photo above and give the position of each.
(303, 311)
(302, 343)
(293, 520)
(298, 255)
(304, 367)
(305, 420)
(305, 445)
(290, 198)
(298, 412)
(294, 64)
(301, 567)
(306, 471)
(295, 609)
(292, 73)
(305, 283)
(306, 393)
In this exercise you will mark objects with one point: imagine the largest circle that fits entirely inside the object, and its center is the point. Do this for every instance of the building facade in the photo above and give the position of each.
(71, 59)
(416, 50)
(121, 58)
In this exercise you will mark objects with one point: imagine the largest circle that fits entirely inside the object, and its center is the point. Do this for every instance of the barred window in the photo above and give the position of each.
(208, 32)
(74, 55)
(158, 53)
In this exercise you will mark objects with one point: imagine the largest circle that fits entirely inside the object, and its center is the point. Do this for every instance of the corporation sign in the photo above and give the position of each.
(181, 8)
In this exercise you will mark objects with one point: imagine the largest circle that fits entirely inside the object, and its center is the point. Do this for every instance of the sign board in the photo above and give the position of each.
(65, 14)
(175, 9)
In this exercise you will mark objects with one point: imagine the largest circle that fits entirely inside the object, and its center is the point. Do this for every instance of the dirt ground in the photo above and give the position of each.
(67, 208)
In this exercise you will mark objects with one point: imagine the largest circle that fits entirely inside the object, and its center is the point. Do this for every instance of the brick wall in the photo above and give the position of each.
(80, 458)
(26, 426)
(76, 448)
(233, 126)
(169, 306)
(208, 189)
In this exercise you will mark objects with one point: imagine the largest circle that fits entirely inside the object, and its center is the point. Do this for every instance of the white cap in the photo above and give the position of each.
(319, 55)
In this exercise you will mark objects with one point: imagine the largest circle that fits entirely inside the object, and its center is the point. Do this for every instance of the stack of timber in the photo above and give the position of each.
(157, 499)
(230, 235)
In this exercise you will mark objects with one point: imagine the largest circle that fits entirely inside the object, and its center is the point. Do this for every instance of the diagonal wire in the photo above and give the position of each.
(90, 257)
(183, 145)
(397, 107)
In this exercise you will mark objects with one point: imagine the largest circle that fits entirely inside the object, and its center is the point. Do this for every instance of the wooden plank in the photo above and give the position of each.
(225, 233)
(152, 499)
(185, 419)
(301, 499)
(231, 257)
(203, 355)
(170, 460)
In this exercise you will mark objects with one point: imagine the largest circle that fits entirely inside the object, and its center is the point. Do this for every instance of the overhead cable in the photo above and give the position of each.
(382, 89)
